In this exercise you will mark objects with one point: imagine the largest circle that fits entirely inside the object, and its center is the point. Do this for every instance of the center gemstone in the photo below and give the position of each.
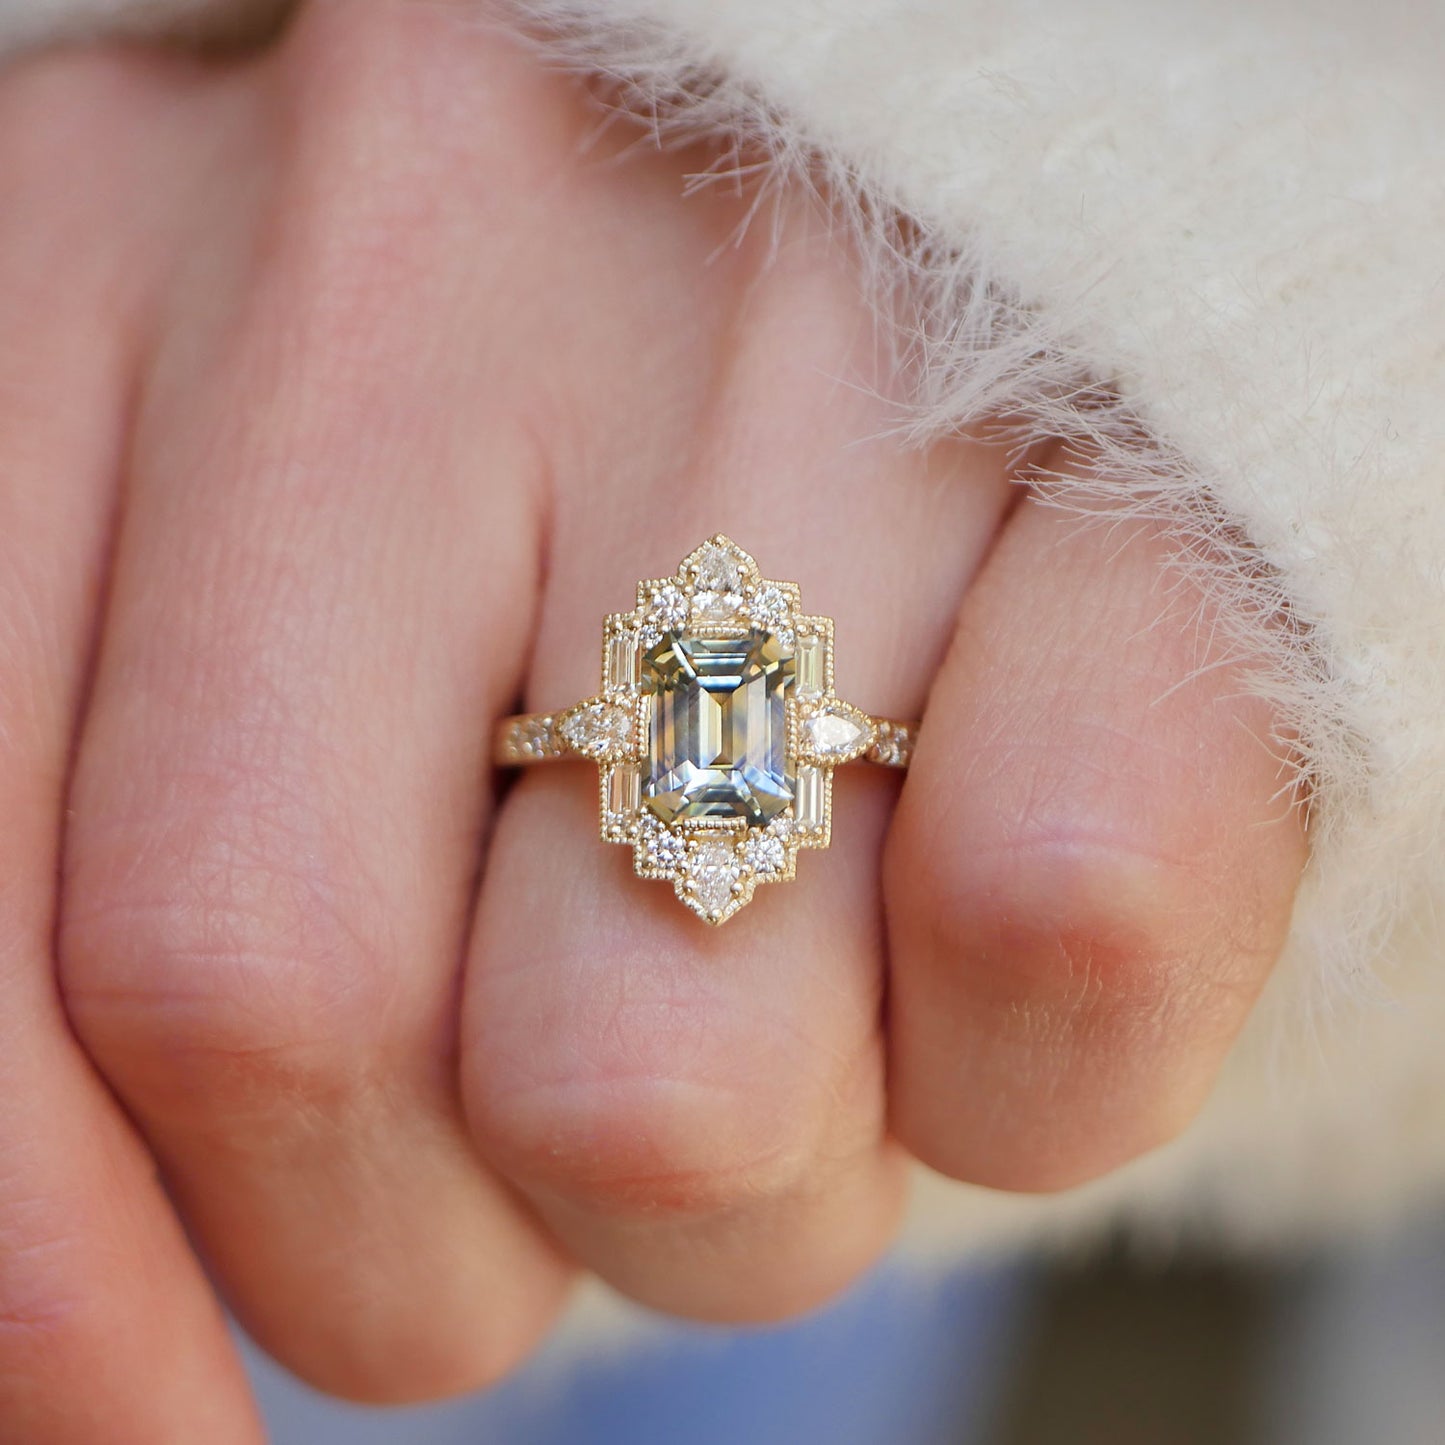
(719, 732)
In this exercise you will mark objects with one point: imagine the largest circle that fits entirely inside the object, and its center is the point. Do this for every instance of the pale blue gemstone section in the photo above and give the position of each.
(718, 739)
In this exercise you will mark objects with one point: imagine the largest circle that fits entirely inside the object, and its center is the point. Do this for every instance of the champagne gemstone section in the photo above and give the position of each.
(718, 739)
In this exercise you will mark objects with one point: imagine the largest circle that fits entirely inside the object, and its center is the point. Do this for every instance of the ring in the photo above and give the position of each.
(716, 730)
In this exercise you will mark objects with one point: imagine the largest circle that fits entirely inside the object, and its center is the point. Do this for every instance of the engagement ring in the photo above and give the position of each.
(716, 730)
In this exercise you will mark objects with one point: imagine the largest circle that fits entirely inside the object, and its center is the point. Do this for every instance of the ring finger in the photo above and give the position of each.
(699, 1114)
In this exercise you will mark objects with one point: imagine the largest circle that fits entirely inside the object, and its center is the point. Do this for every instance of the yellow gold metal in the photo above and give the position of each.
(533, 737)
(719, 791)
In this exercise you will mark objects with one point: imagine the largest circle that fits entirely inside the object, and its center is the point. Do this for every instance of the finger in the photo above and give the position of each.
(108, 1330)
(1093, 865)
(699, 1114)
(327, 564)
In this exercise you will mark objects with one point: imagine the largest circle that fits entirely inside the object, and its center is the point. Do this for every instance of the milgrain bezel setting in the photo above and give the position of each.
(734, 815)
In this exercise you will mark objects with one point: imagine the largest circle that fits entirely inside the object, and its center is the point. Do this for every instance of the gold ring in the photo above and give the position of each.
(716, 730)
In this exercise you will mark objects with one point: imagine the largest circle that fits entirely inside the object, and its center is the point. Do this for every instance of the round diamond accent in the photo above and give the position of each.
(666, 611)
(598, 730)
(766, 853)
(716, 606)
(663, 849)
(772, 611)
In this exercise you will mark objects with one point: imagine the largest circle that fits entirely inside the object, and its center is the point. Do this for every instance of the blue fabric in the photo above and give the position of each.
(898, 1361)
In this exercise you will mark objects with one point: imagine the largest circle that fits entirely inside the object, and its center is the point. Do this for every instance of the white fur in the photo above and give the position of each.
(1210, 237)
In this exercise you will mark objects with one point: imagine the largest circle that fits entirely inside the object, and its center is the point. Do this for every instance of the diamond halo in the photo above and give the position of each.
(716, 731)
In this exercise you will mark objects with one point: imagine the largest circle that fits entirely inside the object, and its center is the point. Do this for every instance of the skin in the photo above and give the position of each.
(342, 391)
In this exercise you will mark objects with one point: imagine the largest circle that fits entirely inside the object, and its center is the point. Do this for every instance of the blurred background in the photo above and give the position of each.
(1346, 1348)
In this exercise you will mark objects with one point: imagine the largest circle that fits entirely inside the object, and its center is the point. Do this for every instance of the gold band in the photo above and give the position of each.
(537, 737)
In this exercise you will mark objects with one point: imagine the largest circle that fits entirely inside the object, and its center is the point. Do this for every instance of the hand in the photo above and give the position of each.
(342, 392)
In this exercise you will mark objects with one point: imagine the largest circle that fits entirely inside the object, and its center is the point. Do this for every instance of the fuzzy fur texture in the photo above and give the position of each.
(1209, 236)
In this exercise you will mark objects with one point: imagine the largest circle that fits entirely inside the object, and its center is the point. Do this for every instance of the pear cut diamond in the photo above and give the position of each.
(719, 569)
(598, 729)
(714, 882)
(838, 732)
(718, 582)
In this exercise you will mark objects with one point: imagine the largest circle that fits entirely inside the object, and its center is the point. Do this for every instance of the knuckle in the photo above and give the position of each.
(70, 105)
(206, 971)
(659, 1147)
(1088, 933)
(1105, 985)
(94, 151)
(381, 71)
(444, 112)
(645, 1119)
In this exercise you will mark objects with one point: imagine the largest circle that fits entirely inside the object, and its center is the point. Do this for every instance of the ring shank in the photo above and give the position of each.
(536, 737)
